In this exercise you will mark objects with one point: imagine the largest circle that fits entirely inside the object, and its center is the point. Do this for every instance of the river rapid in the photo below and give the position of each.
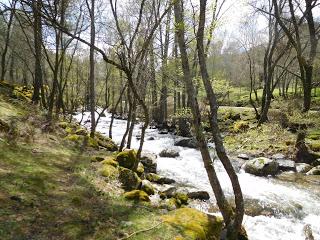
(279, 209)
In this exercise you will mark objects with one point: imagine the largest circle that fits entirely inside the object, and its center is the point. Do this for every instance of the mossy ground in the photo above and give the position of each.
(50, 189)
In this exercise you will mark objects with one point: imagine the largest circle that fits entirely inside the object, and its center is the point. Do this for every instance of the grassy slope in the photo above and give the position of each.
(49, 190)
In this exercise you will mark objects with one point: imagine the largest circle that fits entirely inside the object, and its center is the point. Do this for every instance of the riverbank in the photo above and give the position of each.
(52, 186)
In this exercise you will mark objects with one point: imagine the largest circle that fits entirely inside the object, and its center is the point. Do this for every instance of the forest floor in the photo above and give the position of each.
(49, 189)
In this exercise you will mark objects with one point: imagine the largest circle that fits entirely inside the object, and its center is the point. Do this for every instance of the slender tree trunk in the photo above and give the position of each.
(235, 227)
(92, 67)
(37, 30)
(225, 208)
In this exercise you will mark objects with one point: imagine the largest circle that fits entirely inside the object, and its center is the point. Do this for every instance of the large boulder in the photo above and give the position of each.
(149, 161)
(137, 195)
(109, 171)
(194, 224)
(127, 158)
(303, 167)
(201, 195)
(186, 142)
(169, 153)
(286, 165)
(314, 171)
(261, 166)
(107, 143)
(129, 179)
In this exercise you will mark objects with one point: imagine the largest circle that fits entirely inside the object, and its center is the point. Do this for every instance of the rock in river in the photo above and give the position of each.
(169, 153)
(286, 165)
(201, 195)
(186, 142)
(303, 167)
(261, 166)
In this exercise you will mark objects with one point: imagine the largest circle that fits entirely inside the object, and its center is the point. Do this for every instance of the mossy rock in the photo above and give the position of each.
(129, 179)
(81, 131)
(152, 177)
(147, 187)
(69, 130)
(169, 204)
(240, 126)
(74, 138)
(140, 169)
(4, 126)
(182, 197)
(314, 134)
(92, 142)
(106, 143)
(110, 161)
(109, 171)
(137, 195)
(127, 158)
(194, 224)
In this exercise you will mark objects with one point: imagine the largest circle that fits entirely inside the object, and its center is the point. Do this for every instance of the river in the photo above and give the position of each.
(281, 208)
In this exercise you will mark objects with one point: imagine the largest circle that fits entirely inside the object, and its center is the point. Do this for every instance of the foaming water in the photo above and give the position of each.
(291, 205)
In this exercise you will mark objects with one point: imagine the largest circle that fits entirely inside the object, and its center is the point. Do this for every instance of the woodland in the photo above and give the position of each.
(160, 119)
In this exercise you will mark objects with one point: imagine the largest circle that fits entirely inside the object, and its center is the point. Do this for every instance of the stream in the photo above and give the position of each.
(277, 208)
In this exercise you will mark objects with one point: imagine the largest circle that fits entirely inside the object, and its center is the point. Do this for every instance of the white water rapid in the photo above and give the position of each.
(290, 204)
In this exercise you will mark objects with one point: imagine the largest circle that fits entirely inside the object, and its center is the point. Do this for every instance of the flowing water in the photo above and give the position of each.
(279, 208)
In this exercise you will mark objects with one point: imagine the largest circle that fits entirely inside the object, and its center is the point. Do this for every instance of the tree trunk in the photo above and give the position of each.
(235, 227)
(213, 179)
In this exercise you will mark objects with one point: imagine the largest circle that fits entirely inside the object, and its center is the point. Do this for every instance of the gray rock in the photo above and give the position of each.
(243, 156)
(186, 142)
(165, 180)
(168, 193)
(164, 131)
(286, 165)
(150, 138)
(303, 167)
(261, 166)
(201, 195)
(314, 171)
(278, 156)
(169, 153)
(149, 161)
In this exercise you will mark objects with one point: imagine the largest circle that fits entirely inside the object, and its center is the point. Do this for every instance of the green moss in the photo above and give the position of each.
(92, 142)
(140, 169)
(240, 126)
(315, 146)
(81, 131)
(109, 171)
(182, 197)
(129, 179)
(152, 177)
(74, 138)
(194, 224)
(69, 130)
(137, 195)
(127, 158)
(110, 161)
(96, 159)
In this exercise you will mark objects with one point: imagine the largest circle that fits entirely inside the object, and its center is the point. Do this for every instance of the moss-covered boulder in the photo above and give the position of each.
(194, 224)
(182, 197)
(261, 166)
(140, 169)
(147, 187)
(152, 177)
(137, 195)
(63, 125)
(92, 142)
(127, 158)
(74, 138)
(129, 179)
(107, 143)
(109, 171)
(110, 161)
